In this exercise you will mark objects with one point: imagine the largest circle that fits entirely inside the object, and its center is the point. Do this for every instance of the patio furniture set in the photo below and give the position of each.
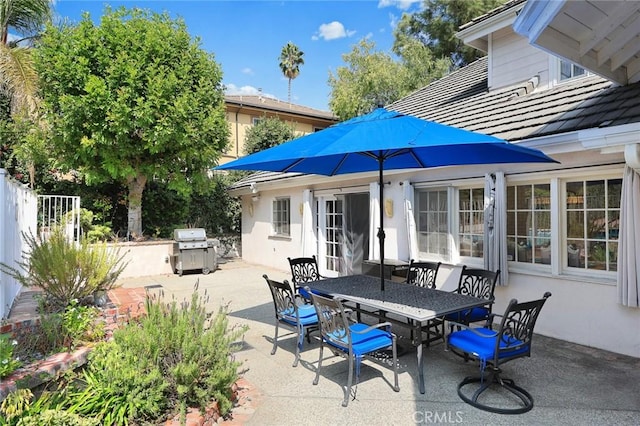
(335, 306)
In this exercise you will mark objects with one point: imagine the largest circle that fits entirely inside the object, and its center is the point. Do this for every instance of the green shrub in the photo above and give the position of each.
(8, 363)
(19, 408)
(193, 352)
(58, 331)
(57, 418)
(118, 386)
(65, 270)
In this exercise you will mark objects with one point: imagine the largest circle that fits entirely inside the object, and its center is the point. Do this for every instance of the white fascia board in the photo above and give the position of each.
(535, 17)
(482, 29)
(608, 137)
(555, 144)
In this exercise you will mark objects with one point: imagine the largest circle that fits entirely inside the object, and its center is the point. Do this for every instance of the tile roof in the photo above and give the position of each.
(519, 112)
(265, 102)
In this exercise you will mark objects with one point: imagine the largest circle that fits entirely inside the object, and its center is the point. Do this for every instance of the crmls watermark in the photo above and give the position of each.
(433, 417)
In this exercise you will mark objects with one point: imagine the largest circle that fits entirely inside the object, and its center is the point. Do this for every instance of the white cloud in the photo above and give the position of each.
(400, 4)
(331, 31)
(232, 89)
(247, 71)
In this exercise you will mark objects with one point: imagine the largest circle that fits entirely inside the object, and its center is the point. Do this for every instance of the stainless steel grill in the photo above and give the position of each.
(192, 250)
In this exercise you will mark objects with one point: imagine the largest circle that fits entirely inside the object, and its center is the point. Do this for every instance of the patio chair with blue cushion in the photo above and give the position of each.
(292, 313)
(304, 270)
(351, 339)
(512, 340)
(479, 283)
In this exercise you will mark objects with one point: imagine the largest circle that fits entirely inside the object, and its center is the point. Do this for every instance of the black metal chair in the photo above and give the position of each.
(493, 348)
(304, 270)
(351, 339)
(300, 317)
(479, 283)
(424, 274)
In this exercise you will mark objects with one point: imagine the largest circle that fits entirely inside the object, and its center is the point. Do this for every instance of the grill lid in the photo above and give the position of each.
(191, 234)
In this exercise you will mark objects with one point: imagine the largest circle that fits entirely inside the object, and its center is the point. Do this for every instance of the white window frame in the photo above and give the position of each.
(458, 225)
(450, 254)
(559, 260)
(278, 224)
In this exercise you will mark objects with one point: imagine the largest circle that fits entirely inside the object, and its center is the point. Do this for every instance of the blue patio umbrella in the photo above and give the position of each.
(384, 140)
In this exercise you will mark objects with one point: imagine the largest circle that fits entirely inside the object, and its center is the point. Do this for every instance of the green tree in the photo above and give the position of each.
(372, 78)
(133, 99)
(268, 132)
(438, 21)
(290, 61)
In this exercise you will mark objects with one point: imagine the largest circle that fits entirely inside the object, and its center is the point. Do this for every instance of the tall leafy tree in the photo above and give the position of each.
(372, 78)
(438, 21)
(268, 132)
(133, 99)
(290, 61)
(18, 80)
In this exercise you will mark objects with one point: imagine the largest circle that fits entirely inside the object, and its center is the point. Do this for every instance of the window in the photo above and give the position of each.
(471, 222)
(334, 232)
(432, 221)
(569, 70)
(592, 223)
(256, 120)
(281, 218)
(529, 223)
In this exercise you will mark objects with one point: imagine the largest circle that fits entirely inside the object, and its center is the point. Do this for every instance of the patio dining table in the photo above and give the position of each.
(419, 304)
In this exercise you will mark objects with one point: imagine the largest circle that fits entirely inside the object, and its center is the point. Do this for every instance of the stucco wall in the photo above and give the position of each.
(145, 258)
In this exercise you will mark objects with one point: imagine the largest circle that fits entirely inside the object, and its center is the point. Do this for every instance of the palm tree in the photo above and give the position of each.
(290, 61)
(18, 79)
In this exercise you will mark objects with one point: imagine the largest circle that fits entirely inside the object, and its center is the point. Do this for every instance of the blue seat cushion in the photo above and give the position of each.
(304, 293)
(469, 315)
(307, 315)
(363, 343)
(483, 346)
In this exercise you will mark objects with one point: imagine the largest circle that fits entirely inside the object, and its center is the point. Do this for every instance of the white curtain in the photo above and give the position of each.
(412, 233)
(374, 220)
(495, 225)
(308, 235)
(629, 240)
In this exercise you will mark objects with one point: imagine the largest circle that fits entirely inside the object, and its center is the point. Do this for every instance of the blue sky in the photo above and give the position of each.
(246, 37)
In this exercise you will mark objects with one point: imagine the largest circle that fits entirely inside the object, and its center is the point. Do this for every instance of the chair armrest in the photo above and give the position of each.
(473, 330)
(387, 325)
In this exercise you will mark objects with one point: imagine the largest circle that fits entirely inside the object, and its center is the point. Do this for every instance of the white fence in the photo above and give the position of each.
(18, 215)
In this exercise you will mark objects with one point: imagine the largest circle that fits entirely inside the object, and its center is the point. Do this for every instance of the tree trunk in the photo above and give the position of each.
(289, 91)
(135, 186)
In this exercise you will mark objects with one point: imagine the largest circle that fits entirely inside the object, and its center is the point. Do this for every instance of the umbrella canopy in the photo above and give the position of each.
(384, 140)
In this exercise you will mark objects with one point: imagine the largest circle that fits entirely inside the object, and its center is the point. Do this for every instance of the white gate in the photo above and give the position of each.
(59, 210)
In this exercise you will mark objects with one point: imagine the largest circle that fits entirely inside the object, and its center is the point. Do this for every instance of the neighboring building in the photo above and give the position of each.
(244, 111)
(563, 221)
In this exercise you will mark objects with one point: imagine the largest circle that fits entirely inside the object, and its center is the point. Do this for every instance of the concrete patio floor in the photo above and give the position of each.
(570, 384)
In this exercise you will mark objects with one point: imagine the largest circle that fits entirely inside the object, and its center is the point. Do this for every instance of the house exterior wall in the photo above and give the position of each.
(240, 117)
(583, 308)
(513, 60)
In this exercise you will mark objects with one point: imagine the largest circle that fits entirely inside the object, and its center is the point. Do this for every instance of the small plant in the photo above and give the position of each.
(8, 363)
(65, 270)
(77, 323)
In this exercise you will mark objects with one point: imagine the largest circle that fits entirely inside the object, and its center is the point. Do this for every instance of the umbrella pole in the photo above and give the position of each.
(381, 235)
